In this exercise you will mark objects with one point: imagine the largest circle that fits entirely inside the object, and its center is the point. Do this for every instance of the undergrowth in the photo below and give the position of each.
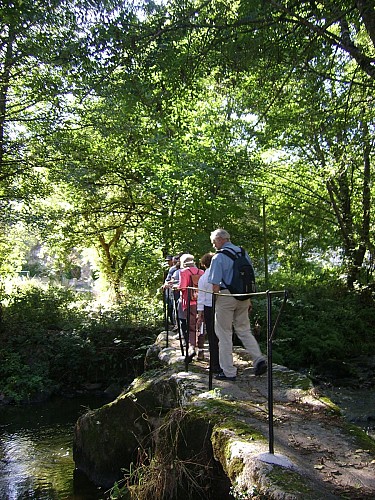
(181, 465)
(322, 320)
(52, 339)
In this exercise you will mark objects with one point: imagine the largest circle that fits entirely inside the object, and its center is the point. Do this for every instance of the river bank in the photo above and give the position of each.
(351, 385)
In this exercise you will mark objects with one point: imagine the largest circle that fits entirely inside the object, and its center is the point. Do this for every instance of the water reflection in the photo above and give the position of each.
(36, 459)
(357, 405)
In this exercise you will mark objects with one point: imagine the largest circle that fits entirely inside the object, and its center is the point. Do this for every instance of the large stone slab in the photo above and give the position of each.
(186, 441)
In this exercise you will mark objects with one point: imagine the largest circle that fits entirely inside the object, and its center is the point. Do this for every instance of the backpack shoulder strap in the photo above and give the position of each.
(191, 272)
(231, 253)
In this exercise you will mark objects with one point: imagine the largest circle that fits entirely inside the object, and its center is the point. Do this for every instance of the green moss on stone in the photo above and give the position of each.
(235, 468)
(294, 380)
(216, 408)
(241, 430)
(331, 406)
(361, 438)
(289, 481)
(144, 381)
(223, 435)
(225, 415)
(226, 425)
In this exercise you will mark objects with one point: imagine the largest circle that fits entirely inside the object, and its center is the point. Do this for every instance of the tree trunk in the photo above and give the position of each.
(356, 237)
(4, 86)
(114, 261)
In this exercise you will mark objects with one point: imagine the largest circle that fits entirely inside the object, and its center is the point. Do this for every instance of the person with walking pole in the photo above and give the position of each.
(179, 314)
(189, 291)
(178, 323)
(167, 293)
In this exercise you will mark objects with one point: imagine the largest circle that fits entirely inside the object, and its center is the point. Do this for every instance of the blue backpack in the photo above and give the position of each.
(243, 280)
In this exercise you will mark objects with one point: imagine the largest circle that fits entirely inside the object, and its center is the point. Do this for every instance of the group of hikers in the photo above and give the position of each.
(201, 300)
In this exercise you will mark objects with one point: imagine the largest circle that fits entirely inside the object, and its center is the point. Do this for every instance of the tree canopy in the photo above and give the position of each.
(135, 129)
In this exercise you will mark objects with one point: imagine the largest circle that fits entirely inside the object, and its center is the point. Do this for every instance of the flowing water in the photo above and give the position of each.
(357, 406)
(36, 460)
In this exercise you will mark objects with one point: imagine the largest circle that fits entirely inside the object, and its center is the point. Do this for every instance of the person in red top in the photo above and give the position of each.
(187, 270)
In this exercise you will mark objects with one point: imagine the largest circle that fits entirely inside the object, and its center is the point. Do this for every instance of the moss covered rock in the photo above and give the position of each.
(109, 439)
(183, 441)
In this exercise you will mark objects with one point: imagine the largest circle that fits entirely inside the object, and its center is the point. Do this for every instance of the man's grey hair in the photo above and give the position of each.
(220, 233)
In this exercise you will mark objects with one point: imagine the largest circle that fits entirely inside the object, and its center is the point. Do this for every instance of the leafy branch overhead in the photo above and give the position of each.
(126, 127)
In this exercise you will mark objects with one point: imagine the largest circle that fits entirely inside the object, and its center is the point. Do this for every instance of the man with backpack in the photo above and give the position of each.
(232, 277)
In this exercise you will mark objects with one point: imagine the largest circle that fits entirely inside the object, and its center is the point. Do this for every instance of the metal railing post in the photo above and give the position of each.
(210, 374)
(165, 306)
(269, 373)
(187, 331)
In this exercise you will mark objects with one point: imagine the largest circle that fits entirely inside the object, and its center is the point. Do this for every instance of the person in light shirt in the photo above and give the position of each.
(205, 312)
(231, 313)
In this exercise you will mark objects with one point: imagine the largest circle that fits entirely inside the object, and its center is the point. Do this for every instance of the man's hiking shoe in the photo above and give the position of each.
(214, 371)
(260, 368)
(222, 376)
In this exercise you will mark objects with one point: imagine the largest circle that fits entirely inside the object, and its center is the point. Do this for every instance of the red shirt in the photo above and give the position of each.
(185, 282)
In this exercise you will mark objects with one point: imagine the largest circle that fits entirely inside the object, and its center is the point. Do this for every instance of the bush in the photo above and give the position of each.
(52, 339)
(18, 380)
(321, 321)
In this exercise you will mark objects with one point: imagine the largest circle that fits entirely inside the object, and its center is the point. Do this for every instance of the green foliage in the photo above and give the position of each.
(19, 380)
(323, 321)
(36, 307)
(52, 339)
(182, 138)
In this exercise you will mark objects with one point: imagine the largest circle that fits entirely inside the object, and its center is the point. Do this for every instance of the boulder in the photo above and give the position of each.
(108, 439)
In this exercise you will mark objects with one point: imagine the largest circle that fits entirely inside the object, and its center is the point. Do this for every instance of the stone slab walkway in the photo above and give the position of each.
(310, 434)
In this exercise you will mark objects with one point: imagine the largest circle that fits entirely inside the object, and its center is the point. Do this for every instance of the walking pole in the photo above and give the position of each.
(187, 331)
(178, 324)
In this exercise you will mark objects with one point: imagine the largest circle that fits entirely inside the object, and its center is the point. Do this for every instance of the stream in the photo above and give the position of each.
(36, 458)
(357, 406)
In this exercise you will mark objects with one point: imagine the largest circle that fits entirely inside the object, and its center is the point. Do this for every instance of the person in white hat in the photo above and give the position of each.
(189, 276)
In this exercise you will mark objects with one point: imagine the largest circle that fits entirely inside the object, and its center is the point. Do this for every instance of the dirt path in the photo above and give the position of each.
(308, 430)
